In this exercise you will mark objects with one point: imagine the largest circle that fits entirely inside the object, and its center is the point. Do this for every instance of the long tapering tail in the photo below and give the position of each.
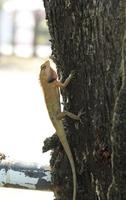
(71, 160)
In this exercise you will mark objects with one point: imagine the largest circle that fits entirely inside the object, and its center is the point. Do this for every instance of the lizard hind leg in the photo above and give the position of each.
(61, 115)
(78, 118)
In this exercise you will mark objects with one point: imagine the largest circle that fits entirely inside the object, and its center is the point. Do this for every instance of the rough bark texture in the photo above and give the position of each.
(87, 36)
(117, 190)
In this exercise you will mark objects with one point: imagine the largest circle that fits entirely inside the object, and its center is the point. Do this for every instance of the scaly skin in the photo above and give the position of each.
(50, 86)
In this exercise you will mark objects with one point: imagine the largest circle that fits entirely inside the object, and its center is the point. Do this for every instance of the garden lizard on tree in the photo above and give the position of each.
(50, 86)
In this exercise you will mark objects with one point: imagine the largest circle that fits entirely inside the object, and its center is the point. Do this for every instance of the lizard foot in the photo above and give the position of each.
(73, 74)
(81, 114)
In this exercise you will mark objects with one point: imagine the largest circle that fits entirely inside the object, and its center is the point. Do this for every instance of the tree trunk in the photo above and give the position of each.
(87, 36)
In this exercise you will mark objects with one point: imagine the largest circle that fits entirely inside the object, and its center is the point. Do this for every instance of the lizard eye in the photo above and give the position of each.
(43, 67)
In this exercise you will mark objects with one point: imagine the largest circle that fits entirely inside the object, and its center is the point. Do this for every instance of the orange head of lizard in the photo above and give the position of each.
(47, 73)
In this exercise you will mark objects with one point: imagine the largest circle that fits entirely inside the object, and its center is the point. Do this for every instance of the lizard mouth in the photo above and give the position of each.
(50, 79)
(52, 76)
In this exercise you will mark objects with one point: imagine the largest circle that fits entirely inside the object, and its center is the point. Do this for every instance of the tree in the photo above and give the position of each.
(89, 37)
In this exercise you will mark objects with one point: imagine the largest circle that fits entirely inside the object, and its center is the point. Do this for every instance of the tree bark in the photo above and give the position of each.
(117, 190)
(87, 36)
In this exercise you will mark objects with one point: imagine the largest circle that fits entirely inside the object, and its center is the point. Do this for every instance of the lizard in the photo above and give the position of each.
(50, 85)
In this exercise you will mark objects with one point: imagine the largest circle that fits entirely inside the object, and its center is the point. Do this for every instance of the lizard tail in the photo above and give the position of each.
(71, 160)
(63, 139)
(74, 178)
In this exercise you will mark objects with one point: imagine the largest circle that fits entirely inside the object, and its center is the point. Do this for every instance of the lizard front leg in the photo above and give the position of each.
(66, 82)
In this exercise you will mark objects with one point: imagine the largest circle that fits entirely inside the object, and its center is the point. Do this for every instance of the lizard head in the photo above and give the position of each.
(47, 73)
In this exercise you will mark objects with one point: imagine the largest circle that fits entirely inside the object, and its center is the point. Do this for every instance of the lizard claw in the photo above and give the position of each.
(80, 116)
(73, 74)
